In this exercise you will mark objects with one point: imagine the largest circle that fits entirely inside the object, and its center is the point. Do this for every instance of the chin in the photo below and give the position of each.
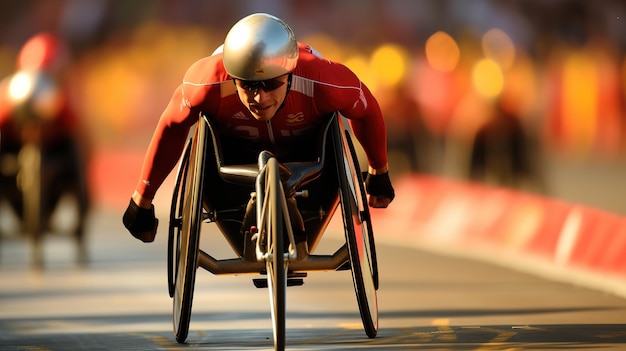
(263, 117)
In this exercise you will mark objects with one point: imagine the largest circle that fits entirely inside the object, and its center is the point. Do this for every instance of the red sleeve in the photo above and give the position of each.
(182, 112)
(166, 146)
(341, 90)
(371, 131)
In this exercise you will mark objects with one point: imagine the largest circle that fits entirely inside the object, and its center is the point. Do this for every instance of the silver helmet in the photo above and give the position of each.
(260, 47)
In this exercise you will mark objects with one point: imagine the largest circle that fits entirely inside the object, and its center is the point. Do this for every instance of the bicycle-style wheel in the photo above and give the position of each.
(175, 225)
(366, 219)
(272, 229)
(357, 236)
(187, 241)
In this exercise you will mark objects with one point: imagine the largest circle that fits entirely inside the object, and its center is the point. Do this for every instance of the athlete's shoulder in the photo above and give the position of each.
(203, 80)
(305, 50)
(309, 57)
(206, 71)
(312, 65)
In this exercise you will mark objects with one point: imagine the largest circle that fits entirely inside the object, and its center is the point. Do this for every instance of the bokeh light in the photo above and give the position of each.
(499, 47)
(326, 46)
(389, 62)
(359, 64)
(579, 103)
(20, 86)
(442, 52)
(488, 78)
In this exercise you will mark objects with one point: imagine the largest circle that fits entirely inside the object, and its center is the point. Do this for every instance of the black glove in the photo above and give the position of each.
(379, 185)
(140, 222)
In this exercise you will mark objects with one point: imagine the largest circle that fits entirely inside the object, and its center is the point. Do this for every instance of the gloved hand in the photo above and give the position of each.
(141, 222)
(380, 189)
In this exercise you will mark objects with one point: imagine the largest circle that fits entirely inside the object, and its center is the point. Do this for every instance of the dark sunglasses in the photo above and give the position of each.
(265, 85)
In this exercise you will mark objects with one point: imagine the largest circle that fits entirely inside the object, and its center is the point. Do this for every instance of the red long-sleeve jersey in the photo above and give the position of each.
(319, 87)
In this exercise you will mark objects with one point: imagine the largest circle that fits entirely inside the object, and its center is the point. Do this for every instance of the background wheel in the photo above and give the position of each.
(29, 181)
(357, 237)
(187, 242)
(275, 234)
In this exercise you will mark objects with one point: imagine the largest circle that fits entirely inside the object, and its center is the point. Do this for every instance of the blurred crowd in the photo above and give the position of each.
(477, 89)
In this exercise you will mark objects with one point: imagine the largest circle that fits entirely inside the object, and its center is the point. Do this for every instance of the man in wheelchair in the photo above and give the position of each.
(35, 111)
(264, 88)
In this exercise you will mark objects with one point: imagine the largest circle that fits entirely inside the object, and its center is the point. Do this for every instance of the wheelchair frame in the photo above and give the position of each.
(274, 186)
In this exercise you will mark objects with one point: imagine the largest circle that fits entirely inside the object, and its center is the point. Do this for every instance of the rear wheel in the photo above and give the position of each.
(366, 219)
(176, 215)
(358, 233)
(185, 244)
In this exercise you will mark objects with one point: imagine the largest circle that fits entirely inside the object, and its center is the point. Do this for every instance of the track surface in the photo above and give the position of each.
(427, 301)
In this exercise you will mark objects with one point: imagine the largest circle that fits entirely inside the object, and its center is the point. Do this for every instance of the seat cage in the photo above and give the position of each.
(293, 174)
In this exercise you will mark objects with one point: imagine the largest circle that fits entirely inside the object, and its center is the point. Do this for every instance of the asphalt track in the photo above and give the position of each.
(427, 301)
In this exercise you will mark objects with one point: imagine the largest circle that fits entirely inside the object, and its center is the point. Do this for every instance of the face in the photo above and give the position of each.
(263, 98)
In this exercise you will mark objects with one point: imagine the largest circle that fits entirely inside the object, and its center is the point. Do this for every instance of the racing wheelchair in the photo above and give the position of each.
(41, 165)
(262, 207)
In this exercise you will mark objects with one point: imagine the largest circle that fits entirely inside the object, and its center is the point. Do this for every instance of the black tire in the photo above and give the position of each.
(274, 233)
(358, 244)
(188, 239)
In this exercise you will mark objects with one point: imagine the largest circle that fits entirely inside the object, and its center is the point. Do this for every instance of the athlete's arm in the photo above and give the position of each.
(181, 113)
(369, 128)
(341, 90)
(165, 148)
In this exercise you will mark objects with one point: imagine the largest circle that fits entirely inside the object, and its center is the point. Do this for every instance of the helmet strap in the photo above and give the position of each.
(289, 83)
(286, 93)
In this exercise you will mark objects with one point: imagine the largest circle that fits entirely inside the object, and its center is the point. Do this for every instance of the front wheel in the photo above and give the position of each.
(273, 229)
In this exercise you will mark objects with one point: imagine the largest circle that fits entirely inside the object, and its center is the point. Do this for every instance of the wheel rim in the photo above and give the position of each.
(358, 241)
(187, 240)
(361, 273)
(176, 215)
(276, 265)
(364, 215)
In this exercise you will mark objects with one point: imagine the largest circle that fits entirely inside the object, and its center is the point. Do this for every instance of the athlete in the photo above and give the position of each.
(261, 86)
(35, 108)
